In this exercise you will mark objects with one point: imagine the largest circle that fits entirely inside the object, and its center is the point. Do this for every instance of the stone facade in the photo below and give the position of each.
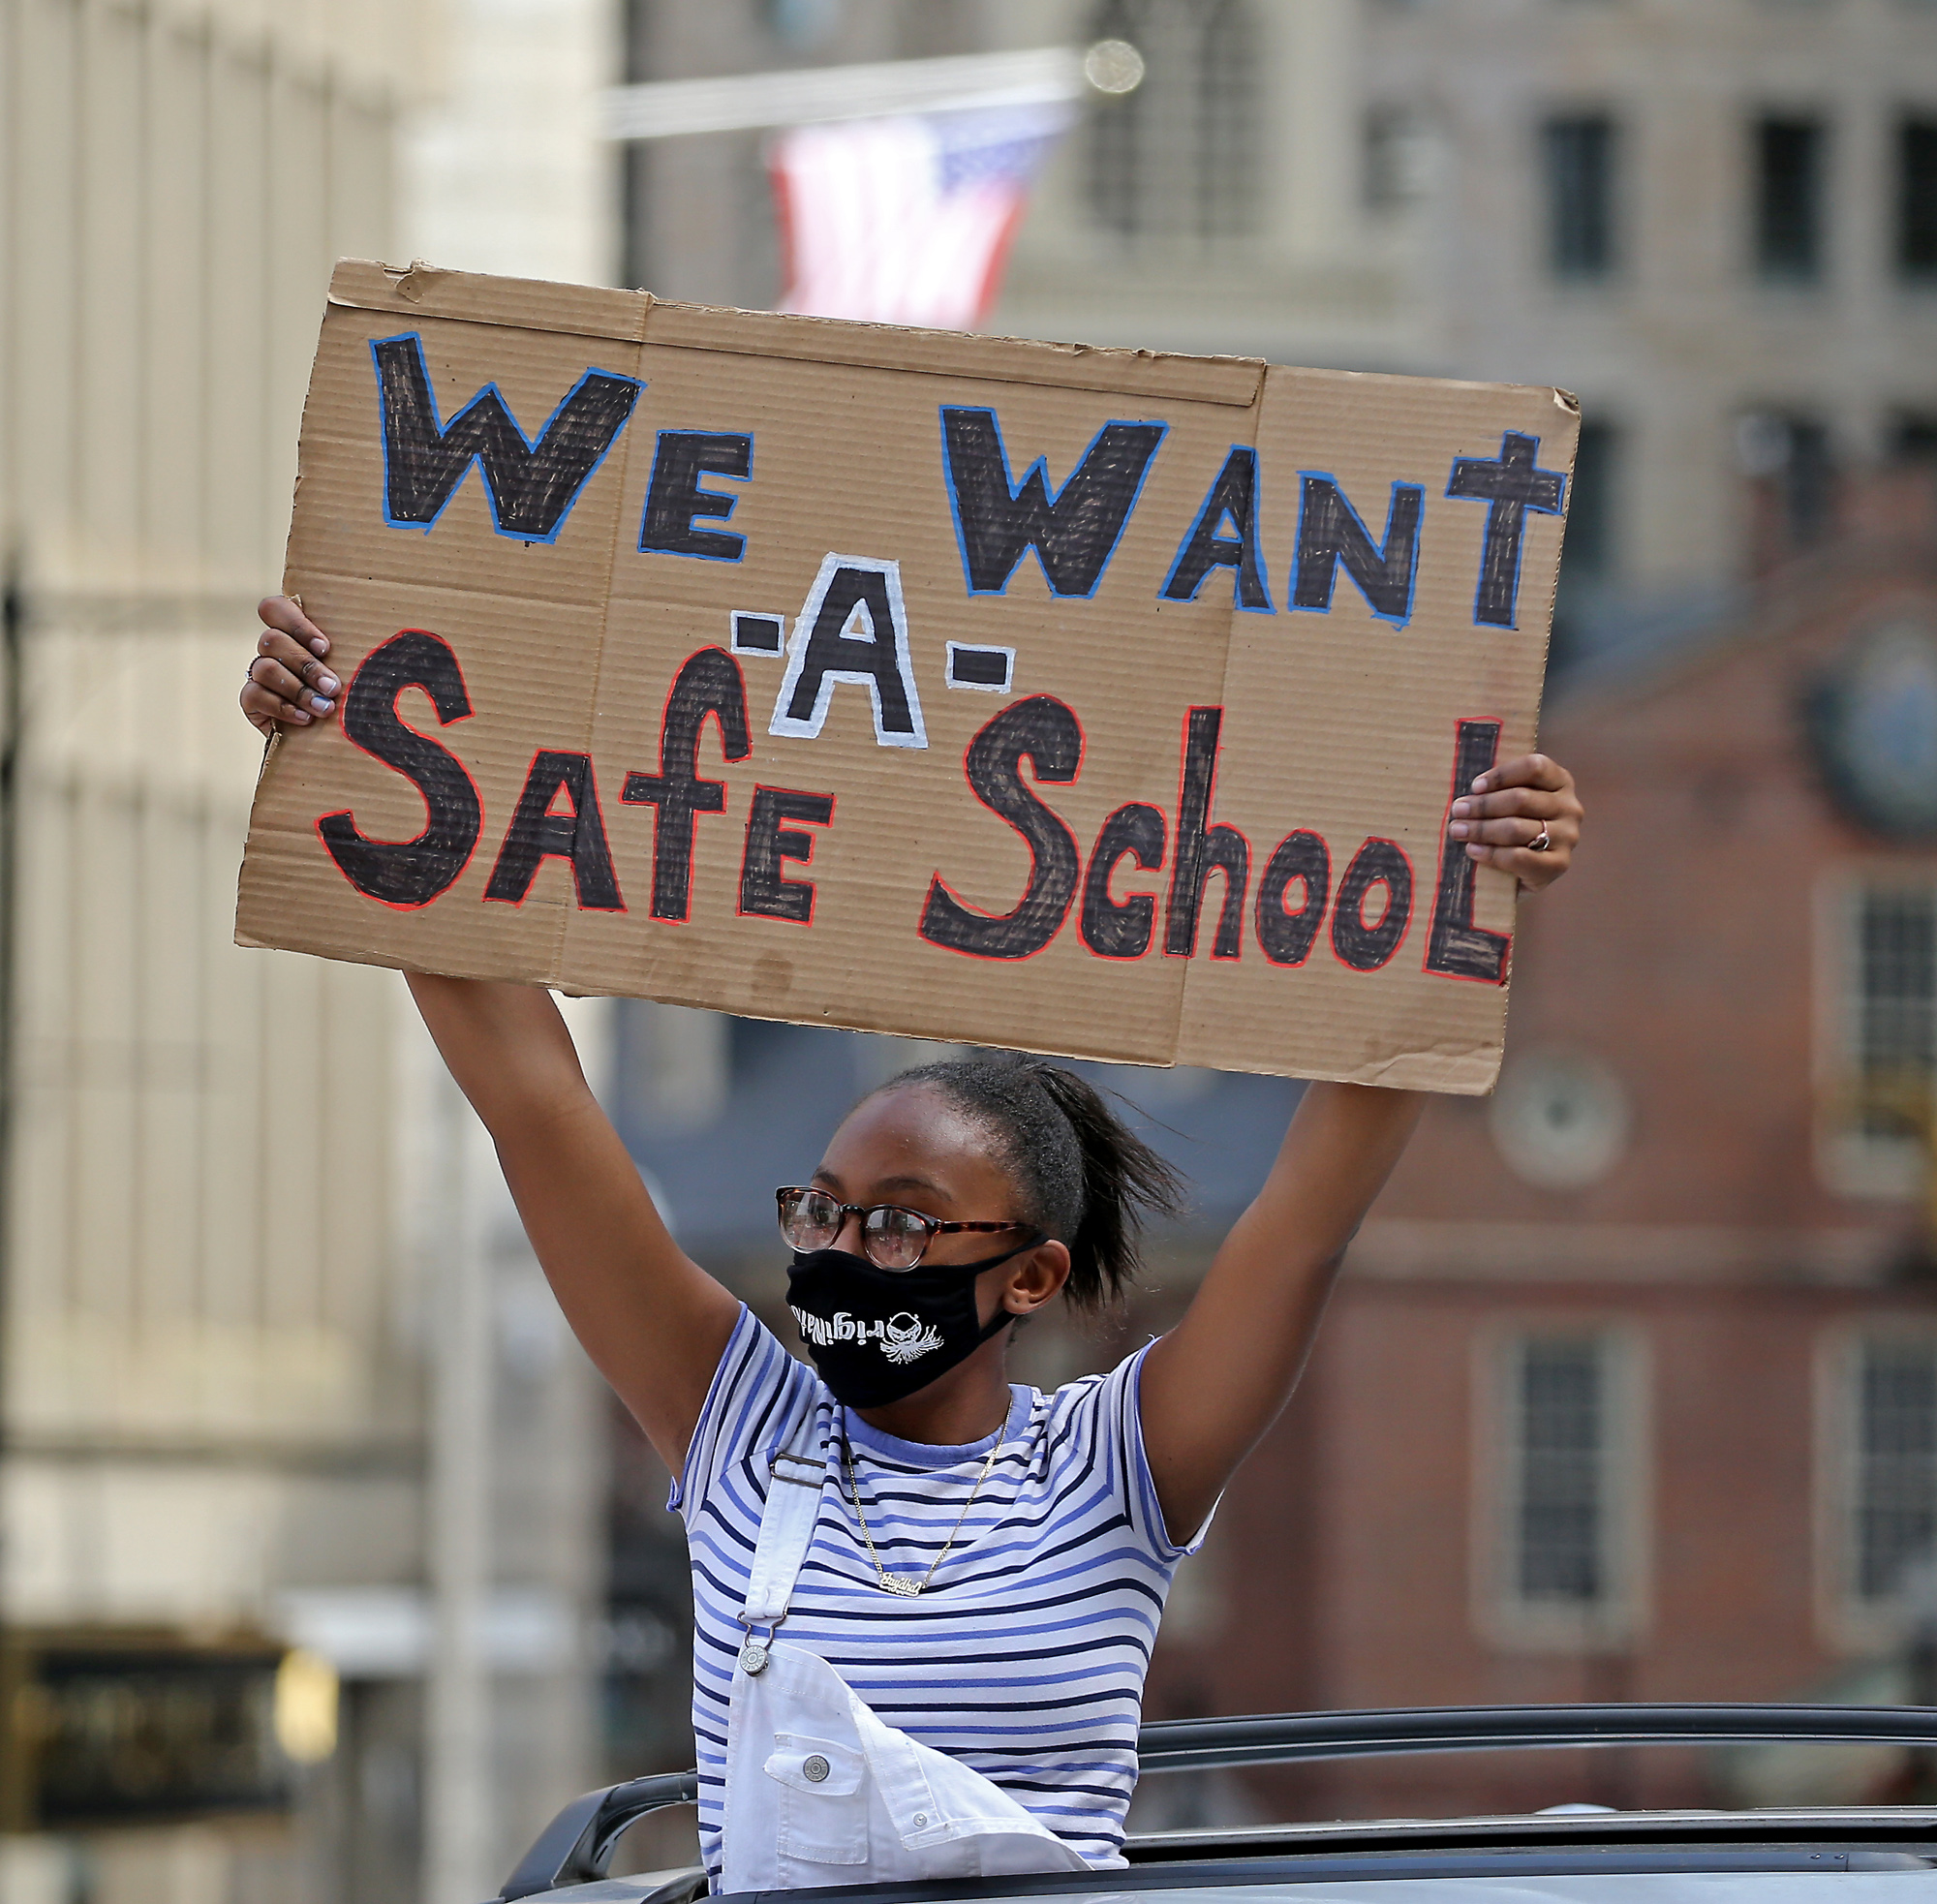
(1703, 353)
(222, 1220)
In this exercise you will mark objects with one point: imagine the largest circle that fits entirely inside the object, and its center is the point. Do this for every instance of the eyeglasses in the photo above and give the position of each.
(892, 1238)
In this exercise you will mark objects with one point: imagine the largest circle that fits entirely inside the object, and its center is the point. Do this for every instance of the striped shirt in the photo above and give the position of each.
(1023, 1658)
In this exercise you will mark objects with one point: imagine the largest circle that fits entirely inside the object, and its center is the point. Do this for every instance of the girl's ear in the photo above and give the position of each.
(1036, 1279)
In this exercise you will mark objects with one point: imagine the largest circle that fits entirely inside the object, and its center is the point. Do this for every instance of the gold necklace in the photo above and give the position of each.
(902, 1583)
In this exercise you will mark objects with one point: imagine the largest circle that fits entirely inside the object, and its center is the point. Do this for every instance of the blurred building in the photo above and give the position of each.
(209, 1395)
(227, 1238)
(503, 171)
(1630, 1391)
(1221, 205)
(1715, 224)
(1217, 207)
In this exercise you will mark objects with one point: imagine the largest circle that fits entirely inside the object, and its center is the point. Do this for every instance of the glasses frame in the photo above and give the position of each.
(931, 1226)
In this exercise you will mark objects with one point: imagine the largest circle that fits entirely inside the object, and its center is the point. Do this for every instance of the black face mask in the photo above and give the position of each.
(878, 1335)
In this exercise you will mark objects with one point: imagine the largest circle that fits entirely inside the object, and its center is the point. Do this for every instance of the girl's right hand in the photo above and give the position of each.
(288, 683)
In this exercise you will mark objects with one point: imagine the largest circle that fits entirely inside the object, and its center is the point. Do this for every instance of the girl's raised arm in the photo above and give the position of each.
(654, 1320)
(651, 1319)
(1215, 1383)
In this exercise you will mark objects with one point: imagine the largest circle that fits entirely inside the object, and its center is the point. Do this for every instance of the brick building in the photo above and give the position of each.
(1630, 1391)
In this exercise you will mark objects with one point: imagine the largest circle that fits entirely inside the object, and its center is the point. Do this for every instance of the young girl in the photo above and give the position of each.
(923, 1600)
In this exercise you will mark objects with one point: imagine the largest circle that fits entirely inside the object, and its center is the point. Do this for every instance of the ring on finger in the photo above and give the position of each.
(1543, 843)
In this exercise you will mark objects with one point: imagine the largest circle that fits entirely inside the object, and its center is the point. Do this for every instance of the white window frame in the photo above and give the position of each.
(1850, 1161)
(1503, 1614)
(1852, 1622)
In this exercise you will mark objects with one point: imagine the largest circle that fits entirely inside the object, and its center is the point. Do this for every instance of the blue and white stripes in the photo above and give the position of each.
(1026, 1656)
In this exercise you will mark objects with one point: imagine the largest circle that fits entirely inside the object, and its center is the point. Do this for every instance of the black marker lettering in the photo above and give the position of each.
(1045, 733)
(1330, 531)
(1115, 928)
(1201, 847)
(762, 889)
(532, 486)
(408, 871)
(1234, 494)
(708, 685)
(1074, 535)
(1286, 936)
(1364, 947)
(1456, 946)
(869, 595)
(536, 834)
(1509, 484)
(674, 496)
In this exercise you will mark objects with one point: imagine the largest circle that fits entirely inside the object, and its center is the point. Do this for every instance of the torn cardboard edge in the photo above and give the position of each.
(638, 316)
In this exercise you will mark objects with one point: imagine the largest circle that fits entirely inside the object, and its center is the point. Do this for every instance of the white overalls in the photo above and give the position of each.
(820, 1791)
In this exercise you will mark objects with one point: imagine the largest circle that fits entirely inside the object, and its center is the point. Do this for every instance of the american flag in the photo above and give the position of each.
(906, 220)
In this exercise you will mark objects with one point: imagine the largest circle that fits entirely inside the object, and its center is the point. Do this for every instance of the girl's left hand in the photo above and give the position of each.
(1510, 808)
(289, 682)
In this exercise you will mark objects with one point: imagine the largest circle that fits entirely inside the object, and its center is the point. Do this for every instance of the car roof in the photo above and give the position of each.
(1571, 1847)
(1457, 1854)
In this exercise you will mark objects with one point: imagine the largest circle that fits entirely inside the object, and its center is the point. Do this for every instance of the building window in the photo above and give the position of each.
(1878, 1061)
(1917, 198)
(1794, 458)
(1177, 159)
(1399, 158)
(1894, 1009)
(1880, 1479)
(1578, 158)
(1589, 545)
(1560, 1508)
(1587, 556)
(1912, 438)
(1894, 1497)
(1789, 157)
(1565, 1526)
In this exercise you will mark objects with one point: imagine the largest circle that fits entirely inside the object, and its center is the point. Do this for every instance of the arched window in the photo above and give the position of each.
(1177, 159)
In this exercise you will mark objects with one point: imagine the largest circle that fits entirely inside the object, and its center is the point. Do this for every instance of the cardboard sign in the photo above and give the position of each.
(1095, 702)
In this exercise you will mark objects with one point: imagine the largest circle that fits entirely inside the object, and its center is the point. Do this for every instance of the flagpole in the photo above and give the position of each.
(823, 95)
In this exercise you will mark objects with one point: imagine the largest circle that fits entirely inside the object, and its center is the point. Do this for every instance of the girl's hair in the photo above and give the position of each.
(1085, 1177)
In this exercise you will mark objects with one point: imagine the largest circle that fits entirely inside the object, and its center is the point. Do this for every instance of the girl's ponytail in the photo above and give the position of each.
(1085, 1177)
(1124, 1182)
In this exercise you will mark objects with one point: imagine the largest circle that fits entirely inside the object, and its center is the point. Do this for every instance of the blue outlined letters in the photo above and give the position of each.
(1074, 531)
(531, 483)
(1233, 498)
(1509, 484)
(674, 496)
(1330, 531)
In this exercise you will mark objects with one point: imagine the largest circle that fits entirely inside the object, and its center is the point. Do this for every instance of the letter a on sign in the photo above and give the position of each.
(853, 627)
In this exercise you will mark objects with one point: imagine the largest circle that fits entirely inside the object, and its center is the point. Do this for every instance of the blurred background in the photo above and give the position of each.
(328, 1569)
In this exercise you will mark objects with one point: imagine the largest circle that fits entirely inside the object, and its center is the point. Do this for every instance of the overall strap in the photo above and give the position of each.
(786, 1526)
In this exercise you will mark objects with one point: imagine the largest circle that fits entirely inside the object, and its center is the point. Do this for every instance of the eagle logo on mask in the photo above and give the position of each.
(905, 1339)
